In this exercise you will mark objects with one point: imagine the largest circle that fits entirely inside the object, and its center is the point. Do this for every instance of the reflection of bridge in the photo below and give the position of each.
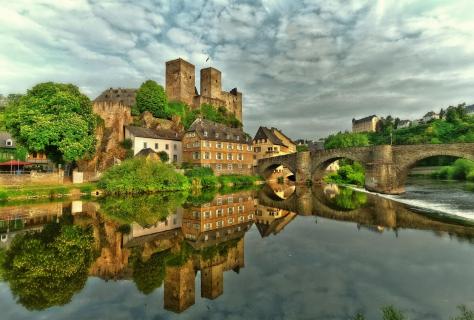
(375, 212)
(386, 166)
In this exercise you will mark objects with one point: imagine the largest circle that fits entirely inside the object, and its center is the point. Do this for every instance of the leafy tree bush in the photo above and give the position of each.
(54, 118)
(462, 169)
(348, 174)
(146, 210)
(149, 275)
(346, 140)
(163, 156)
(47, 268)
(301, 148)
(202, 176)
(140, 175)
(152, 97)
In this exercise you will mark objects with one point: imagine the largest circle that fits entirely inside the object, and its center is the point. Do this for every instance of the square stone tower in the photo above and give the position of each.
(212, 281)
(180, 81)
(211, 85)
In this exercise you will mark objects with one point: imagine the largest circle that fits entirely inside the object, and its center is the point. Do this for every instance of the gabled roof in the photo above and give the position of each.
(265, 133)
(210, 130)
(118, 95)
(369, 118)
(165, 134)
(4, 136)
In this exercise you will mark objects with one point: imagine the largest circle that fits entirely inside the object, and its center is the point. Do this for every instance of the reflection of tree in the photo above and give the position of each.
(46, 268)
(144, 210)
(349, 199)
(149, 275)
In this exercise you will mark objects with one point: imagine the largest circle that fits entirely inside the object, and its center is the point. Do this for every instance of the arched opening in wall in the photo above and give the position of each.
(278, 173)
(340, 170)
(435, 170)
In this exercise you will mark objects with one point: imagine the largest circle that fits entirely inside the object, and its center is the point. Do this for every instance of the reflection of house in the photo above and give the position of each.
(158, 140)
(271, 143)
(272, 220)
(367, 124)
(224, 211)
(226, 150)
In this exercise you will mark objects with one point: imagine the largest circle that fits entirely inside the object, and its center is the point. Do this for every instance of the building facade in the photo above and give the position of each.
(181, 86)
(430, 116)
(226, 150)
(158, 140)
(271, 143)
(367, 124)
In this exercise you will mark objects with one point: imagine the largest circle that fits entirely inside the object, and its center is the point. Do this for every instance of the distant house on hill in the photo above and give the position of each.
(470, 109)
(158, 140)
(404, 124)
(367, 124)
(430, 116)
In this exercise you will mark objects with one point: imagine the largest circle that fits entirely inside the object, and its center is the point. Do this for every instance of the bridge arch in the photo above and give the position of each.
(266, 166)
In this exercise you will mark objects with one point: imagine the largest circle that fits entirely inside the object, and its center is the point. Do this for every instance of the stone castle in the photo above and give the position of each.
(181, 86)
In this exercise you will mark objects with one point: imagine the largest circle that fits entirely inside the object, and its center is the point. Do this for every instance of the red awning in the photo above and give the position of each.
(14, 163)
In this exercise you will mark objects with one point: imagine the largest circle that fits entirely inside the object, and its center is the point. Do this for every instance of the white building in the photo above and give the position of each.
(158, 140)
(430, 116)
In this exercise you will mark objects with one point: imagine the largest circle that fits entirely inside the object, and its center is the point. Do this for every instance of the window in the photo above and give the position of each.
(196, 214)
(241, 219)
(229, 146)
(8, 143)
(207, 155)
(217, 135)
(208, 226)
(218, 166)
(175, 158)
(219, 145)
(219, 224)
(175, 147)
(269, 149)
(196, 226)
(240, 157)
(228, 137)
(250, 216)
(237, 138)
(230, 221)
(229, 156)
(229, 166)
(156, 146)
(207, 214)
(241, 209)
(218, 156)
(219, 213)
(167, 146)
(196, 144)
(196, 155)
(230, 210)
(145, 145)
(230, 200)
(239, 147)
(219, 201)
(205, 133)
(249, 148)
(208, 144)
(240, 166)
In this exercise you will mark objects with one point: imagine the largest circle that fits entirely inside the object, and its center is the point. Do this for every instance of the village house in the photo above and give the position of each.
(157, 140)
(226, 150)
(271, 142)
(367, 124)
(7, 146)
(430, 116)
(404, 124)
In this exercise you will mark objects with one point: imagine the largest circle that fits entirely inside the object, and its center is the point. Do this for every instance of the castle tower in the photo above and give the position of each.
(211, 85)
(180, 81)
(212, 281)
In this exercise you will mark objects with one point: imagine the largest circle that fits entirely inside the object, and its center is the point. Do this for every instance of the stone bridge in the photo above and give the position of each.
(386, 167)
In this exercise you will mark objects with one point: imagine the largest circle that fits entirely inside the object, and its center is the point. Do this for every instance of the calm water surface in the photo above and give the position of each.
(275, 253)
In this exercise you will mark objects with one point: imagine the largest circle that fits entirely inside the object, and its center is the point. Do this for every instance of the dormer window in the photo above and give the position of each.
(9, 142)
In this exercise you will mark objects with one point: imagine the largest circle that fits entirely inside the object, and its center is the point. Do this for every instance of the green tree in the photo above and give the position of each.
(152, 97)
(346, 140)
(149, 275)
(54, 118)
(164, 157)
(47, 268)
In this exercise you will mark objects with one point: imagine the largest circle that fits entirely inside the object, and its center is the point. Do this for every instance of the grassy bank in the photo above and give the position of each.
(204, 178)
(462, 170)
(45, 191)
(349, 173)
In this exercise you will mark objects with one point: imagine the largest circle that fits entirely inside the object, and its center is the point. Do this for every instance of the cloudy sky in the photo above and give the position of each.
(307, 67)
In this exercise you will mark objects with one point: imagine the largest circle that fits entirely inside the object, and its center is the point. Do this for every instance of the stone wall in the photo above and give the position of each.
(35, 178)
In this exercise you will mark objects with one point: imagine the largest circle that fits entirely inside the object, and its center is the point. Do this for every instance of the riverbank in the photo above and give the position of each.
(32, 192)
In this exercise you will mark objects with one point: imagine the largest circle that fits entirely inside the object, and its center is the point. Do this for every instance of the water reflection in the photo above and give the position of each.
(166, 241)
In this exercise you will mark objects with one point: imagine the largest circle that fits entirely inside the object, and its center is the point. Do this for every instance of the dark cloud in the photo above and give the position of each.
(307, 67)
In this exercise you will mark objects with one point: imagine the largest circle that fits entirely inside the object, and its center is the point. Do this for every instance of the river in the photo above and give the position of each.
(276, 253)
